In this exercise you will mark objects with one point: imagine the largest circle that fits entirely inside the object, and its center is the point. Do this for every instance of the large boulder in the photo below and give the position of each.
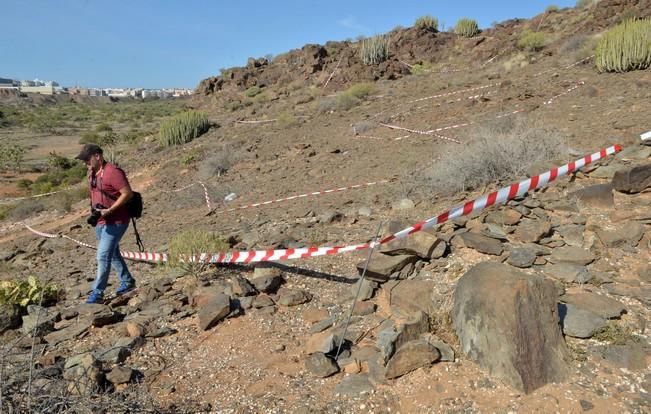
(633, 180)
(513, 331)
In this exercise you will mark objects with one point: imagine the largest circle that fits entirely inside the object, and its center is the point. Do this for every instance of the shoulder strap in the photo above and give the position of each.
(141, 246)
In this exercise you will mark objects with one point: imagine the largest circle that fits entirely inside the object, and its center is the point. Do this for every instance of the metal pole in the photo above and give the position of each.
(359, 288)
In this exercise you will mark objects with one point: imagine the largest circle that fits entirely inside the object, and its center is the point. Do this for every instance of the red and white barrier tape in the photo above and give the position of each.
(11, 200)
(415, 131)
(491, 85)
(434, 131)
(500, 196)
(465, 98)
(551, 100)
(180, 189)
(205, 192)
(57, 236)
(564, 67)
(294, 197)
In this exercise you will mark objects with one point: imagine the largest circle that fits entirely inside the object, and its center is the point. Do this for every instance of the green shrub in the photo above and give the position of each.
(89, 137)
(287, 119)
(427, 23)
(532, 41)
(552, 8)
(103, 127)
(374, 50)
(346, 101)
(625, 47)
(26, 292)
(193, 242)
(57, 162)
(62, 172)
(420, 68)
(361, 90)
(466, 27)
(5, 210)
(24, 183)
(252, 91)
(183, 128)
(11, 156)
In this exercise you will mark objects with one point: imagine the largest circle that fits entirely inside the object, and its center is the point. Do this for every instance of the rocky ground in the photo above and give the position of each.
(459, 318)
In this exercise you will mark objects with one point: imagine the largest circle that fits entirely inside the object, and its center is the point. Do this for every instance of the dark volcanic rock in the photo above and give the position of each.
(513, 332)
(633, 180)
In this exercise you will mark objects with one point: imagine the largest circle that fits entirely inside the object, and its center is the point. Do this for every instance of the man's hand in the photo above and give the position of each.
(105, 212)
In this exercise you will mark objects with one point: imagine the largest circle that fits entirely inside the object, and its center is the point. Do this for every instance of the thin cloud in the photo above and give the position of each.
(350, 22)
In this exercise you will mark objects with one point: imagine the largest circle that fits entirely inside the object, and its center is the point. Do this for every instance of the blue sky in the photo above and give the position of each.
(169, 43)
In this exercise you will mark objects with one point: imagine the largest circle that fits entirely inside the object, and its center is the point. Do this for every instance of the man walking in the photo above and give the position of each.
(109, 194)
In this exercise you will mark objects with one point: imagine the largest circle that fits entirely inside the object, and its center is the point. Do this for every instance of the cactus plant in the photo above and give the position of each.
(625, 47)
(374, 49)
(427, 23)
(183, 128)
(466, 27)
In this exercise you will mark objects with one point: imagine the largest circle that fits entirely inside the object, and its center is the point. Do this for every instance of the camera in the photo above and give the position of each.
(95, 214)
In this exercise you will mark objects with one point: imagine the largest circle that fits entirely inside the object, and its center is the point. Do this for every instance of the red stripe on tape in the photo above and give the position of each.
(534, 182)
(490, 200)
(467, 208)
(513, 190)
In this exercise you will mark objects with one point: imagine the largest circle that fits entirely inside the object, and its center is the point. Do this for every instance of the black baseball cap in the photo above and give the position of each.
(88, 151)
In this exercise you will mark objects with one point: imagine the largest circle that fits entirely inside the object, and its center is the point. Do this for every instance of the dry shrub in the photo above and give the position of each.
(27, 208)
(500, 151)
(514, 62)
(346, 101)
(573, 44)
(218, 163)
(326, 104)
(578, 47)
(363, 126)
(287, 119)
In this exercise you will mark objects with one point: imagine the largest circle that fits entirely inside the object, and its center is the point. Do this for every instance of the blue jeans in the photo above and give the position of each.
(108, 255)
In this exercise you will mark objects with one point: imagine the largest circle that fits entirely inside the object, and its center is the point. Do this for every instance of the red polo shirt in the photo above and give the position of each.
(109, 180)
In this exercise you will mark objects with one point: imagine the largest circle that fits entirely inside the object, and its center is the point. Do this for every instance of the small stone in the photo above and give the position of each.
(404, 204)
(586, 405)
(293, 297)
(364, 308)
(135, 329)
(321, 365)
(522, 257)
(120, 375)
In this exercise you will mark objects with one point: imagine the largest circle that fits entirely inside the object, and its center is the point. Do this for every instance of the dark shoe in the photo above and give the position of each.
(95, 298)
(124, 288)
